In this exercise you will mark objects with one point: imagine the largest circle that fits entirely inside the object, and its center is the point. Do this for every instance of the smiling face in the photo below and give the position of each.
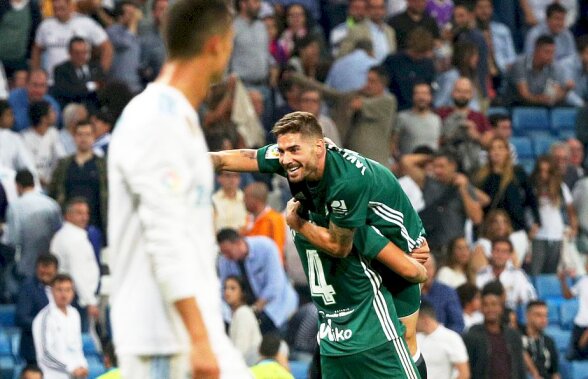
(299, 156)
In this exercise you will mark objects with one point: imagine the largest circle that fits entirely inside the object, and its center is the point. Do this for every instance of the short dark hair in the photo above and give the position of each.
(60, 278)
(503, 240)
(47, 259)
(466, 293)
(38, 110)
(536, 303)
(382, 74)
(447, 154)
(419, 83)
(493, 288)
(106, 116)
(25, 179)
(420, 40)
(303, 43)
(427, 309)
(190, 23)
(75, 39)
(365, 45)
(270, 345)
(554, 8)
(423, 149)
(544, 40)
(497, 118)
(74, 201)
(4, 106)
(227, 235)
(119, 8)
(298, 122)
(81, 124)
(32, 369)
(581, 45)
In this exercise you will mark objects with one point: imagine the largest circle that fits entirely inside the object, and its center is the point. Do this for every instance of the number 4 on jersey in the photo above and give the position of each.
(316, 278)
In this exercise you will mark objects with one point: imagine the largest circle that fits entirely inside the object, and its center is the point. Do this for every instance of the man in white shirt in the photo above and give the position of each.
(76, 255)
(229, 206)
(13, 154)
(166, 308)
(517, 286)
(57, 334)
(442, 348)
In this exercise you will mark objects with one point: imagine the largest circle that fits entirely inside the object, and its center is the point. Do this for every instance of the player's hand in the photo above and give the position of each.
(421, 253)
(80, 372)
(203, 362)
(293, 220)
(460, 180)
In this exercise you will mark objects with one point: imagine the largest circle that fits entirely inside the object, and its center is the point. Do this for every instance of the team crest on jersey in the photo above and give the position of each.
(339, 207)
(272, 152)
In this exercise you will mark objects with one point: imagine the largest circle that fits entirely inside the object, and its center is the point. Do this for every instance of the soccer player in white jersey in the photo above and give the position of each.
(166, 310)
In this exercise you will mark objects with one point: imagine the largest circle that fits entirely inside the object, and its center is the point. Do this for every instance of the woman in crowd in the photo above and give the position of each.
(496, 225)
(555, 202)
(457, 270)
(298, 25)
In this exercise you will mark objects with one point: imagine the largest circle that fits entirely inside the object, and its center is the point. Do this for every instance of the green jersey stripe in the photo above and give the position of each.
(403, 231)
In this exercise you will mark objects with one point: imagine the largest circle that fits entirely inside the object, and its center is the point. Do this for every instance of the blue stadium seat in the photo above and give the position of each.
(563, 119)
(528, 164)
(299, 369)
(560, 336)
(497, 110)
(547, 286)
(564, 367)
(579, 370)
(95, 367)
(542, 144)
(7, 312)
(523, 146)
(566, 134)
(528, 119)
(89, 346)
(567, 312)
(7, 361)
(553, 309)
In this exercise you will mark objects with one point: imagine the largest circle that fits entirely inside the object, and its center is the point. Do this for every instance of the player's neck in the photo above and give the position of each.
(180, 75)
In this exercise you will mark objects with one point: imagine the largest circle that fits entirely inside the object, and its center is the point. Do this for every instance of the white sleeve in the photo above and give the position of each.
(46, 336)
(567, 194)
(457, 350)
(241, 326)
(97, 34)
(85, 272)
(79, 359)
(41, 34)
(525, 289)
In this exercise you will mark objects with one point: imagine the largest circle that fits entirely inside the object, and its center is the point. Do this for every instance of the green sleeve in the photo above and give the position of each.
(268, 160)
(348, 203)
(369, 242)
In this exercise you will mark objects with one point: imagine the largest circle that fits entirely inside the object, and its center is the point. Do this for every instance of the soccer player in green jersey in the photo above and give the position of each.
(347, 191)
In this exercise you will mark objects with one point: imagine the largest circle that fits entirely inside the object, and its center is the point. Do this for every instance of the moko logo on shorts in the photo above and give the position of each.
(333, 334)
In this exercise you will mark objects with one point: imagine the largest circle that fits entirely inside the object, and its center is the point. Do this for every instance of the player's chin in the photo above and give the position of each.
(295, 177)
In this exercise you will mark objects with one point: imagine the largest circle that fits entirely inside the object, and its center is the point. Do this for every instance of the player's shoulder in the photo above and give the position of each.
(345, 164)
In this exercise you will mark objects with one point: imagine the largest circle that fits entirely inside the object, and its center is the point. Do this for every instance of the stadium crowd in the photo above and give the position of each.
(479, 107)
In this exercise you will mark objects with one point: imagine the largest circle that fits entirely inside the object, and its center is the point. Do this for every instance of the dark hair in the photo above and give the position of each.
(303, 43)
(365, 45)
(427, 309)
(298, 122)
(227, 234)
(467, 4)
(466, 293)
(245, 298)
(4, 106)
(60, 278)
(423, 149)
(38, 110)
(493, 288)
(420, 40)
(496, 118)
(447, 154)
(503, 240)
(382, 74)
(544, 40)
(75, 39)
(47, 259)
(270, 345)
(536, 303)
(421, 83)
(462, 52)
(32, 369)
(554, 8)
(581, 44)
(106, 116)
(190, 23)
(451, 262)
(82, 123)
(24, 178)
(119, 8)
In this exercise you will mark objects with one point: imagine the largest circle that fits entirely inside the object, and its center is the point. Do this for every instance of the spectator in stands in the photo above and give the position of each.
(469, 297)
(299, 24)
(72, 114)
(543, 358)
(103, 122)
(580, 195)
(306, 58)
(448, 190)
(560, 152)
(579, 339)
(497, 224)
(310, 101)
(555, 27)
(83, 174)
(442, 348)
(576, 157)
(127, 48)
(356, 13)
(518, 288)
(76, 256)
(50, 41)
(229, 205)
(443, 298)
(494, 349)
(31, 372)
(410, 66)
(265, 220)
(302, 331)
(414, 17)
(374, 29)
(57, 334)
(151, 43)
(417, 126)
(13, 154)
(31, 222)
(273, 364)
(536, 79)
(274, 298)
(21, 98)
(557, 213)
(34, 296)
(508, 187)
(277, 51)
(537, 9)
(18, 22)
(244, 329)
(441, 11)
(498, 37)
(456, 270)
(501, 124)
(349, 73)
(576, 69)
(42, 140)
(77, 79)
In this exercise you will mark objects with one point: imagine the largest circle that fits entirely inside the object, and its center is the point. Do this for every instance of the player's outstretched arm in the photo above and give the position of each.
(240, 160)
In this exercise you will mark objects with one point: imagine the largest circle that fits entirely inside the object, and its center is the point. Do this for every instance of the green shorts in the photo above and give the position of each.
(389, 360)
(406, 295)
